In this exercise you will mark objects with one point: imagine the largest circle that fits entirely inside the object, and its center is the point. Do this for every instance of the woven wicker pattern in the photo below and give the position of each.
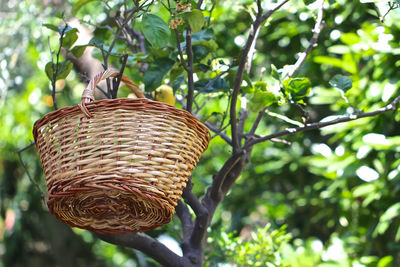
(118, 165)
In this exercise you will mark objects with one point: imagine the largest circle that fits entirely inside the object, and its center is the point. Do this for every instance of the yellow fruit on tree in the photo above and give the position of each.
(165, 94)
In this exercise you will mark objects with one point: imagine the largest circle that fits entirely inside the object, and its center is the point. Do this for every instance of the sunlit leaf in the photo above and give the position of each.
(78, 5)
(298, 88)
(51, 27)
(385, 262)
(274, 73)
(350, 38)
(195, 19)
(259, 96)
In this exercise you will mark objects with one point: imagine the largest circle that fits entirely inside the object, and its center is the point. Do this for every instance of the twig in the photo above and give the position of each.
(218, 132)
(211, 82)
(178, 44)
(27, 147)
(284, 118)
(117, 36)
(117, 80)
(321, 124)
(257, 121)
(189, 70)
(26, 168)
(55, 68)
(319, 25)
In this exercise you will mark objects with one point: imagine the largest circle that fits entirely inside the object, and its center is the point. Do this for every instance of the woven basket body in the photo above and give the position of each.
(123, 168)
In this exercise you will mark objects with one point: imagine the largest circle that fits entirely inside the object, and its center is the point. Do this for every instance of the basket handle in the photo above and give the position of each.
(88, 95)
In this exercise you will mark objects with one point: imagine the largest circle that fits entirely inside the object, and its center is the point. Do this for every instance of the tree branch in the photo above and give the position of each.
(150, 246)
(184, 216)
(272, 11)
(230, 171)
(189, 70)
(319, 25)
(218, 132)
(192, 200)
(180, 52)
(323, 123)
(117, 80)
(218, 180)
(260, 18)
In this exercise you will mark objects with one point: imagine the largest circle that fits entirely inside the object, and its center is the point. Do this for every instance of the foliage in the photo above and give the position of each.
(263, 247)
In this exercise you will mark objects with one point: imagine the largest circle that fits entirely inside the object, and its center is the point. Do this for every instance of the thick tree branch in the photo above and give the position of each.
(323, 123)
(319, 25)
(218, 180)
(260, 18)
(150, 246)
(230, 171)
(184, 216)
(192, 200)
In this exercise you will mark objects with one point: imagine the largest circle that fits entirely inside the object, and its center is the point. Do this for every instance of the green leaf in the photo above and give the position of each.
(350, 38)
(219, 85)
(156, 72)
(274, 73)
(385, 262)
(51, 27)
(78, 5)
(364, 190)
(199, 53)
(335, 62)
(78, 50)
(70, 37)
(195, 19)
(260, 97)
(177, 82)
(298, 88)
(64, 68)
(204, 35)
(155, 30)
(343, 83)
(308, 2)
(392, 212)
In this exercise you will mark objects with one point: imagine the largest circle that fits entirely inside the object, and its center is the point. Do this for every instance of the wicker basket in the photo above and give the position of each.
(118, 165)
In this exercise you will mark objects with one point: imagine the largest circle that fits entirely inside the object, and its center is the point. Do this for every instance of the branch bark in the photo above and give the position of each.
(189, 52)
(321, 124)
(319, 25)
(260, 18)
(150, 246)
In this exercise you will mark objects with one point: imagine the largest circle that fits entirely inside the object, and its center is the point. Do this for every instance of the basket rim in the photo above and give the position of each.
(155, 105)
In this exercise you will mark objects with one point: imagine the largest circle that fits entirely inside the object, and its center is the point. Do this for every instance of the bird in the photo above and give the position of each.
(164, 93)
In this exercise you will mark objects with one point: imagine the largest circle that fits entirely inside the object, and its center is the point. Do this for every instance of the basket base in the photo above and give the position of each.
(111, 211)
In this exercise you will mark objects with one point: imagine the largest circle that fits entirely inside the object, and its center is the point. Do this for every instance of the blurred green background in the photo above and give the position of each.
(337, 190)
